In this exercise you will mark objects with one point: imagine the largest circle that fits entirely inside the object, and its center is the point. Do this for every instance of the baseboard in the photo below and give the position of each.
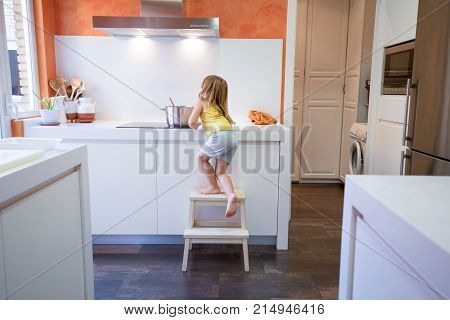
(336, 181)
(159, 239)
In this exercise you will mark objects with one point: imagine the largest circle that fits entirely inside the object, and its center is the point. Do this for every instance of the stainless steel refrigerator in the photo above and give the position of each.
(427, 133)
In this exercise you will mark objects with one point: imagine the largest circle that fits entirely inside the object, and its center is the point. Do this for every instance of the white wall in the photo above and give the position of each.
(395, 22)
(130, 77)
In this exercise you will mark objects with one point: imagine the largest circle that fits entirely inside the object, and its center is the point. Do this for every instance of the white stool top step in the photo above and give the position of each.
(221, 233)
(196, 195)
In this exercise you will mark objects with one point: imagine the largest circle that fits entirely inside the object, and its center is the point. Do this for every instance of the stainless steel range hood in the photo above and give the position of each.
(159, 18)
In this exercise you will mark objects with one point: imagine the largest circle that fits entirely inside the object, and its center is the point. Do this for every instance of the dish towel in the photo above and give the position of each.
(359, 130)
(261, 118)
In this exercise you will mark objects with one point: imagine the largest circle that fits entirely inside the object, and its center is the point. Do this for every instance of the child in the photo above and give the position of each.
(212, 108)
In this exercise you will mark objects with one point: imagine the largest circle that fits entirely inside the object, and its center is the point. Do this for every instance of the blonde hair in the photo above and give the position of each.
(214, 93)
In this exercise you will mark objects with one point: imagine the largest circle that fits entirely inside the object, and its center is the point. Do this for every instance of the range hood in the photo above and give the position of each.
(159, 18)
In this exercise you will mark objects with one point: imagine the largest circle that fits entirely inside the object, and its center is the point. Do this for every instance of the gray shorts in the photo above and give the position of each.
(221, 145)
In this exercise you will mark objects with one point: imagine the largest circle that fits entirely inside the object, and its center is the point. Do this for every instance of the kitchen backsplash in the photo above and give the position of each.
(130, 77)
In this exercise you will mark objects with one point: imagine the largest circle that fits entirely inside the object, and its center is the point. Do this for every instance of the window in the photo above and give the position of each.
(22, 57)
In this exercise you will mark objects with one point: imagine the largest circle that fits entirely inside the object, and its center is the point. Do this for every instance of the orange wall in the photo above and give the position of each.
(74, 18)
(243, 19)
(45, 29)
(254, 19)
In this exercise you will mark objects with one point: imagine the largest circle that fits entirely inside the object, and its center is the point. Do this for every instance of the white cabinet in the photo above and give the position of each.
(42, 243)
(255, 168)
(395, 23)
(388, 147)
(394, 238)
(2, 265)
(392, 108)
(324, 81)
(389, 132)
(379, 273)
(139, 189)
(177, 176)
(123, 188)
(338, 46)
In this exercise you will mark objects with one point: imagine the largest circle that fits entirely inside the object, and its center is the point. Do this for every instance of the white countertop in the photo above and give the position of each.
(24, 177)
(107, 130)
(422, 202)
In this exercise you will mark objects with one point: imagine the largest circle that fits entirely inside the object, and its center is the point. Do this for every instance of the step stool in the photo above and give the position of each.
(200, 231)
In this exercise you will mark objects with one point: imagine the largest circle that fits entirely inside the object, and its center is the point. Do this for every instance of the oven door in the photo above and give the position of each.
(398, 66)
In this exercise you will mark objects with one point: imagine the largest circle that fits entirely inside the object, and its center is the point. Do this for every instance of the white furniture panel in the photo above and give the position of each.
(321, 142)
(395, 242)
(255, 168)
(378, 273)
(125, 75)
(399, 20)
(388, 147)
(328, 25)
(2, 265)
(392, 108)
(45, 229)
(324, 89)
(252, 68)
(123, 188)
(177, 176)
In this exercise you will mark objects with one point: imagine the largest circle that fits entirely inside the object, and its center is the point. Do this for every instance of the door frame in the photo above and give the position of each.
(5, 81)
(302, 25)
(293, 42)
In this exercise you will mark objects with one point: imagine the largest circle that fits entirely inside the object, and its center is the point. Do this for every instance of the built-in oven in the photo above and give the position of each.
(398, 67)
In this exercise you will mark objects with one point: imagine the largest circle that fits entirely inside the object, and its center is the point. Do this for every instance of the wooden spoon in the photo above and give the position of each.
(76, 82)
(54, 85)
(69, 91)
(80, 90)
(61, 82)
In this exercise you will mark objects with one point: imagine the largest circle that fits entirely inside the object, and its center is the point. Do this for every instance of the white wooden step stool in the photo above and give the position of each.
(223, 231)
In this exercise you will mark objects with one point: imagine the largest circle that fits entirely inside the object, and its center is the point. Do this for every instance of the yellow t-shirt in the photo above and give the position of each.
(213, 121)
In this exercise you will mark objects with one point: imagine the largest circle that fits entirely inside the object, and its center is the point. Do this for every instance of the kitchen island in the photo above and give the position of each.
(45, 235)
(395, 238)
(140, 180)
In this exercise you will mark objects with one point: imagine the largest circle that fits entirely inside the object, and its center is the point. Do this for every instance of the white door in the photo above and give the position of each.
(5, 82)
(324, 83)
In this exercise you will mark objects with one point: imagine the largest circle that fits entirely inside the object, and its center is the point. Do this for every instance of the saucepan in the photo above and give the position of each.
(177, 116)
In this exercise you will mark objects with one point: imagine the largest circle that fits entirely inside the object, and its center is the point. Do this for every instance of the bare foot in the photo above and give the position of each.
(210, 190)
(231, 206)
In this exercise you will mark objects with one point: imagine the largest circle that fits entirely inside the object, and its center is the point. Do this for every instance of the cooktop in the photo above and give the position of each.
(149, 125)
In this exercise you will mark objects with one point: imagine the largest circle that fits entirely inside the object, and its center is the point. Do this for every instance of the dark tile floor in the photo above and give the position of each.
(308, 270)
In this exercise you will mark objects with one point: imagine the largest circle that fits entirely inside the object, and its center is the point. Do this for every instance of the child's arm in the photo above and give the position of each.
(193, 119)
